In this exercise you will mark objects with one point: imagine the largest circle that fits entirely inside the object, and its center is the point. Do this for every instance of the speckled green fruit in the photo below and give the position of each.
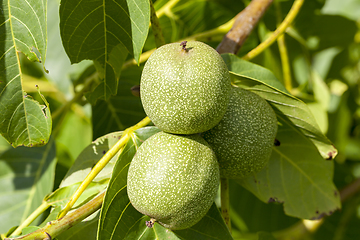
(244, 138)
(173, 179)
(185, 91)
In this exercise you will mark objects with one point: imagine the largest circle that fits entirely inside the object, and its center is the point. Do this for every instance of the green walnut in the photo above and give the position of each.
(185, 87)
(173, 179)
(244, 138)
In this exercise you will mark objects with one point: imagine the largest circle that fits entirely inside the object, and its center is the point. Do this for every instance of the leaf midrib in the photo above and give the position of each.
(20, 73)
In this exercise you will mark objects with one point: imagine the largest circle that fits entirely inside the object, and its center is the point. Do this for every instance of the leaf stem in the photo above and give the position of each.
(54, 228)
(283, 53)
(279, 31)
(31, 218)
(155, 26)
(225, 202)
(285, 62)
(102, 163)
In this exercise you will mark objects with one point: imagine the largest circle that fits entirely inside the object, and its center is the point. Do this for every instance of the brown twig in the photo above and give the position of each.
(350, 190)
(245, 22)
(54, 228)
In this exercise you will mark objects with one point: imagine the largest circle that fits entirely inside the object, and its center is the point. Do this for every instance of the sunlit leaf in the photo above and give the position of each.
(23, 121)
(26, 177)
(61, 196)
(261, 81)
(89, 157)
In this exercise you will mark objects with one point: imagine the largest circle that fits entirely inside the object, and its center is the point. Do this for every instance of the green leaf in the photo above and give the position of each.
(120, 220)
(104, 31)
(89, 157)
(23, 121)
(26, 177)
(253, 71)
(296, 176)
(262, 82)
(61, 196)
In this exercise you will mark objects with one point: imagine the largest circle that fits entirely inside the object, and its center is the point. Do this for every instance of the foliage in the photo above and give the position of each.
(68, 77)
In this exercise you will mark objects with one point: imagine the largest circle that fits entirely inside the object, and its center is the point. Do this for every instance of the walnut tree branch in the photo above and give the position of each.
(244, 23)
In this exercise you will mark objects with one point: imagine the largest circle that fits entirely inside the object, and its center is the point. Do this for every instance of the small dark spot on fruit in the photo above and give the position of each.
(36, 85)
(317, 212)
(335, 193)
(276, 143)
(104, 152)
